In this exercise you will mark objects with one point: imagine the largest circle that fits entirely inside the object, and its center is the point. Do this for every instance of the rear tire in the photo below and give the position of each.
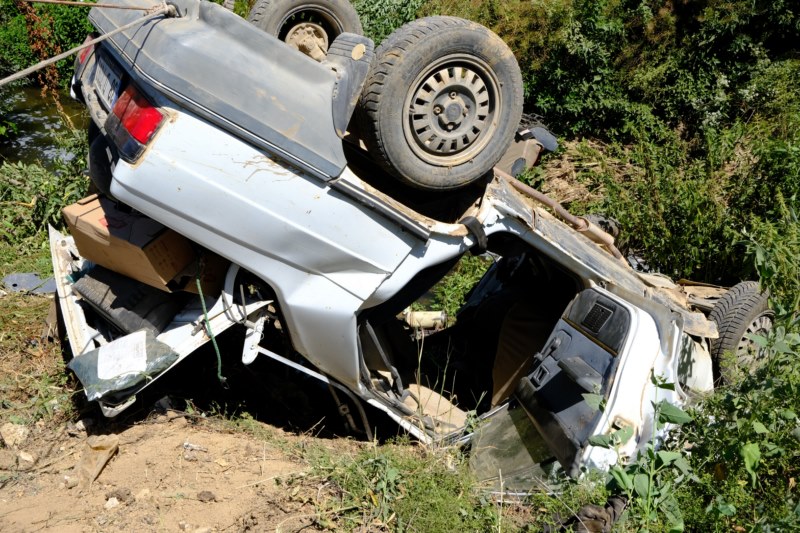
(742, 311)
(442, 102)
(309, 26)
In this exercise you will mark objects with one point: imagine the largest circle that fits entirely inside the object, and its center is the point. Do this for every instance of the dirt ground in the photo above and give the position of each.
(173, 470)
(170, 473)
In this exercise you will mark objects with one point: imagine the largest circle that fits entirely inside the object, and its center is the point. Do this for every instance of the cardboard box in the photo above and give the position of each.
(127, 243)
(210, 268)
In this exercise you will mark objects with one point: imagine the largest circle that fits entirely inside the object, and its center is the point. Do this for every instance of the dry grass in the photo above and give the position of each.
(33, 383)
(572, 178)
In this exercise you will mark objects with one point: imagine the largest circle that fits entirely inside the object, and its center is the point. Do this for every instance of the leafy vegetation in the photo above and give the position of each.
(31, 33)
(695, 105)
(32, 196)
(745, 448)
(450, 293)
(381, 17)
(650, 480)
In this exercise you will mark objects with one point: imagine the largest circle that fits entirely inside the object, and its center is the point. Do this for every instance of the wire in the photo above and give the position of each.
(222, 380)
(87, 4)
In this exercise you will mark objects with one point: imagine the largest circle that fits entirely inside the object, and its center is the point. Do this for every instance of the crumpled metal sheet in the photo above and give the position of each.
(29, 282)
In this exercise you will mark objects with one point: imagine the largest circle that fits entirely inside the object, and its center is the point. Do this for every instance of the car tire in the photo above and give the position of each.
(442, 102)
(740, 312)
(308, 26)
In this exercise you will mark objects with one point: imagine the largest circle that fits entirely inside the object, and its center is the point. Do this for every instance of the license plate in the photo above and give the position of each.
(107, 82)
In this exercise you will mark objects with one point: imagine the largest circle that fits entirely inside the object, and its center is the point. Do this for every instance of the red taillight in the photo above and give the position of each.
(88, 50)
(137, 115)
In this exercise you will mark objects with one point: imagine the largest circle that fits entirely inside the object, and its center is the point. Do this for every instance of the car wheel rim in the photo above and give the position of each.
(749, 353)
(309, 38)
(309, 30)
(451, 110)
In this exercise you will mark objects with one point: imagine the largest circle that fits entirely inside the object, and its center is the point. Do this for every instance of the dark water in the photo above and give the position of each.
(38, 123)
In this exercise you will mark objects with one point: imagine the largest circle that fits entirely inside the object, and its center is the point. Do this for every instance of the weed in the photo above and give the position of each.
(744, 446)
(450, 293)
(774, 249)
(31, 197)
(382, 17)
(650, 480)
(406, 488)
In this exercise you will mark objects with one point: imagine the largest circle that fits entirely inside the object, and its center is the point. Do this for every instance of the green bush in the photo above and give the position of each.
(379, 18)
(745, 447)
(774, 250)
(62, 27)
(31, 197)
(696, 104)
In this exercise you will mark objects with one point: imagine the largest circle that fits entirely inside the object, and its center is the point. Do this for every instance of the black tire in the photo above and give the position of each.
(306, 25)
(442, 102)
(741, 311)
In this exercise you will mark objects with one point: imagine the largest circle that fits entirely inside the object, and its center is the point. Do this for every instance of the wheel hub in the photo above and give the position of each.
(750, 353)
(451, 109)
(310, 38)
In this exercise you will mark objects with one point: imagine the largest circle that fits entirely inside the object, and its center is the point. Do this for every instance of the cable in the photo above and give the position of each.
(87, 4)
(222, 380)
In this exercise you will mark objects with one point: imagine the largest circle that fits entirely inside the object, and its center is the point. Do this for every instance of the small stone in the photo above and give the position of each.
(84, 423)
(183, 526)
(179, 422)
(26, 457)
(13, 434)
(172, 415)
(202, 530)
(143, 495)
(122, 494)
(101, 520)
(70, 482)
(111, 503)
(206, 496)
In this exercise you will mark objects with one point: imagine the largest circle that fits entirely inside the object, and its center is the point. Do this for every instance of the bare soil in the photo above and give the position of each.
(173, 470)
(171, 473)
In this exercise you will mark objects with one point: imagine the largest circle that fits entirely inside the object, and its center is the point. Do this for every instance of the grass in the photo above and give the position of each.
(34, 259)
(33, 382)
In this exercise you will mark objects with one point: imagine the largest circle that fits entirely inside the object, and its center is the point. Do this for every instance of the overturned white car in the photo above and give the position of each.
(237, 169)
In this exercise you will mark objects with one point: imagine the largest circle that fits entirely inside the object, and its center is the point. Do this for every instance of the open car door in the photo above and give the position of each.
(593, 376)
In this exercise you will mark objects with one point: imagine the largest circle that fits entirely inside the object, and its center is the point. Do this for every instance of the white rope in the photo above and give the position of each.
(87, 4)
(161, 10)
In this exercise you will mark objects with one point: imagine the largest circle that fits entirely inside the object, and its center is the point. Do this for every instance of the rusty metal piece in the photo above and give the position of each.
(580, 224)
